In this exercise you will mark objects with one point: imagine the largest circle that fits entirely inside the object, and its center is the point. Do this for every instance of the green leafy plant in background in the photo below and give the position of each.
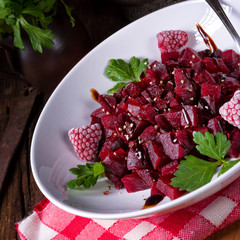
(33, 17)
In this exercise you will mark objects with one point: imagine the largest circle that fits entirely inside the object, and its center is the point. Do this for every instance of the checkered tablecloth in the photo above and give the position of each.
(195, 222)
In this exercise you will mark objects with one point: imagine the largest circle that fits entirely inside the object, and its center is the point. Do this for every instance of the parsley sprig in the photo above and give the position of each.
(194, 172)
(124, 72)
(33, 17)
(87, 175)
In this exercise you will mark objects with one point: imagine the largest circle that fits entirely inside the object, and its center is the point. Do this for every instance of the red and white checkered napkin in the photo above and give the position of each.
(195, 222)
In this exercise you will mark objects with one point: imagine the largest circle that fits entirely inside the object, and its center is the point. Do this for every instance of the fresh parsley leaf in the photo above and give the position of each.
(31, 16)
(227, 165)
(193, 173)
(38, 37)
(87, 175)
(215, 148)
(116, 87)
(123, 72)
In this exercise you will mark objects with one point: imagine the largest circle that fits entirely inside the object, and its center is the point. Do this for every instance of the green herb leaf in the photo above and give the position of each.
(227, 165)
(116, 87)
(34, 17)
(215, 148)
(87, 175)
(120, 71)
(193, 173)
(38, 37)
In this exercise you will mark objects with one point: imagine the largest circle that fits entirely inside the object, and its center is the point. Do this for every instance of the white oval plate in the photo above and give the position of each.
(71, 105)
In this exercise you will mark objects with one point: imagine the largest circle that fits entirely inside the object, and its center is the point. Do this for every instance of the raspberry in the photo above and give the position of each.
(173, 40)
(230, 111)
(85, 141)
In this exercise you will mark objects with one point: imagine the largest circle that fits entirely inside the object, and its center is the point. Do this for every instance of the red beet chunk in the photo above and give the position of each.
(114, 162)
(137, 157)
(133, 183)
(166, 56)
(148, 176)
(211, 90)
(216, 125)
(185, 138)
(204, 77)
(191, 116)
(113, 144)
(163, 124)
(214, 65)
(147, 113)
(173, 101)
(189, 57)
(150, 133)
(98, 113)
(129, 127)
(184, 87)
(133, 107)
(169, 168)
(182, 77)
(109, 121)
(160, 71)
(171, 147)
(108, 103)
(234, 150)
(156, 154)
(155, 191)
(160, 103)
(164, 185)
(150, 78)
(231, 59)
(133, 89)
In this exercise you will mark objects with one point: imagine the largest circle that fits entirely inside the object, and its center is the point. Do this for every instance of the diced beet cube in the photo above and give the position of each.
(180, 78)
(212, 90)
(112, 144)
(114, 162)
(214, 65)
(173, 117)
(171, 147)
(98, 113)
(148, 176)
(173, 101)
(187, 95)
(160, 71)
(137, 157)
(216, 125)
(160, 103)
(147, 113)
(150, 133)
(129, 127)
(150, 78)
(164, 185)
(156, 154)
(191, 116)
(204, 77)
(231, 59)
(133, 183)
(133, 89)
(109, 121)
(189, 57)
(155, 91)
(169, 168)
(185, 138)
(133, 107)
(155, 191)
(108, 103)
(234, 150)
(166, 56)
(164, 125)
